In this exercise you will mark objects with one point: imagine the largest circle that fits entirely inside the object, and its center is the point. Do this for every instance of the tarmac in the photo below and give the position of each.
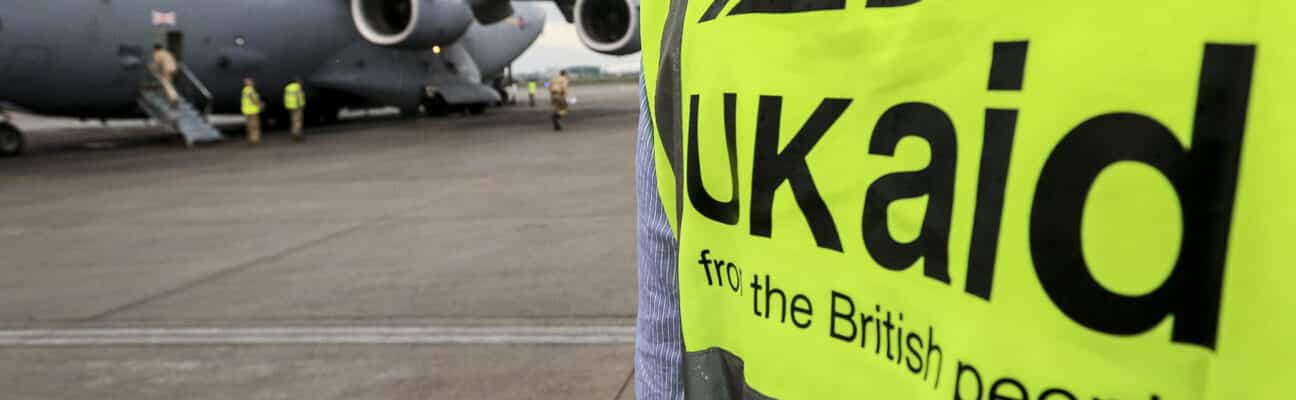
(476, 257)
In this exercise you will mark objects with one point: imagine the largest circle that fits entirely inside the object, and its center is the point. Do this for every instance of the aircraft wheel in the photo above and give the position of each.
(503, 95)
(12, 142)
(436, 106)
(321, 115)
(410, 112)
(477, 109)
(276, 120)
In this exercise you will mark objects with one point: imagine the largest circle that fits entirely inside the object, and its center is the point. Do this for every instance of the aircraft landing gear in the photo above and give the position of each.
(323, 114)
(11, 140)
(436, 106)
(276, 120)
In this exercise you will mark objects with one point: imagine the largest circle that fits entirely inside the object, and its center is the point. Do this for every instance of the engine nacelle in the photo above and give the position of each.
(608, 26)
(411, 24)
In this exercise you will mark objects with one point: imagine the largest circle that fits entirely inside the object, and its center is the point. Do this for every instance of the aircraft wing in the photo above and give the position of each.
(605, 26)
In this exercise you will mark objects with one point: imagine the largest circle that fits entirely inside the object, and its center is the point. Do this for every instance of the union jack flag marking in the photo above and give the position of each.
(164, 18)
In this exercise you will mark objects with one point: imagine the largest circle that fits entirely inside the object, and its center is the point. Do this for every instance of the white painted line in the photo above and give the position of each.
(373, 335)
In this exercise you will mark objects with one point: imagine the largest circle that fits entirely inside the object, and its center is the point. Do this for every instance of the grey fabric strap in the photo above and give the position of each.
(667, 99)
(716, 374)
(712, 374)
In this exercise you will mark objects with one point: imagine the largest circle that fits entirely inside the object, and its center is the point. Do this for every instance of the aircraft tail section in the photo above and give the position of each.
(495, 46)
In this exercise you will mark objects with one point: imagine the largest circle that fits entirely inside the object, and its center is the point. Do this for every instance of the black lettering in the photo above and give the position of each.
(1205, 178)
(958, 381)
(756, 289)
(790, 6)
(1055, 391)
(807, 310)
(864, 323)
(785, 6)
(722, 212)
(936, 181)
(847, 316)
(877, 329)
(996, 150)
(1007, 70)
(770, 291)
(1008, 65)
(899, 340)
(932, 347)
(889, 3)
(889, 327)
(735, 277)
(995, 394)
(771, 168)
(706, 266)
(915, 352)
(717, 6)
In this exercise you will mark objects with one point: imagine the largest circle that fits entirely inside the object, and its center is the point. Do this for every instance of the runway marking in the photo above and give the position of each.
(371, 335)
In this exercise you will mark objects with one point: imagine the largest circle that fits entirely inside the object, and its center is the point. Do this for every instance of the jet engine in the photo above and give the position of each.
(411, 24)
(608, 26)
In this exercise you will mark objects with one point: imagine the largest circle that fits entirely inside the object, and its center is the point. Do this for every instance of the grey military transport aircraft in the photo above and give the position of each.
(90, 58)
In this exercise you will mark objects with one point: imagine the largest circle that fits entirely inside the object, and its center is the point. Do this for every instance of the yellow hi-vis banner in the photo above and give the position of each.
(1016, 199)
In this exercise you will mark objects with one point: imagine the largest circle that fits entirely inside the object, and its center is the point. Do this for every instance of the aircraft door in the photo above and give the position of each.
(175, 43)
(172, 39)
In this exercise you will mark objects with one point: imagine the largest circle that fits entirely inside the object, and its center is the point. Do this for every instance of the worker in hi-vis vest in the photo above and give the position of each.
(252, 111)
(295, 102)
(531, 91)
(1007, 199)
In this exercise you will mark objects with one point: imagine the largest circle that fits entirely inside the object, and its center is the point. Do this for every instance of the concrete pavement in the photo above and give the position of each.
(482, 223)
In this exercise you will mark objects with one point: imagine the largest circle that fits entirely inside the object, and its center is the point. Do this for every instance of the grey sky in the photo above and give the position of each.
(559, 46)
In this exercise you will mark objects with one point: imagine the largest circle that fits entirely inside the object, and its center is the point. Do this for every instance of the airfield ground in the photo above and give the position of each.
(483, 257)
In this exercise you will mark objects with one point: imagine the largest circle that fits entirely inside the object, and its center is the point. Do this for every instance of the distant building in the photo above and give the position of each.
(622, 70)
(585, 72)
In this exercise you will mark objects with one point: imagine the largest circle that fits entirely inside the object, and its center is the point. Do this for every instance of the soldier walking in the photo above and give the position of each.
(558, 96)
(164, 63)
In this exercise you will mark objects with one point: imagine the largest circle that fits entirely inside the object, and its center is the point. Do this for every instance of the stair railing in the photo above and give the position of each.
(187, 86)
(152, 82)
(202, 91)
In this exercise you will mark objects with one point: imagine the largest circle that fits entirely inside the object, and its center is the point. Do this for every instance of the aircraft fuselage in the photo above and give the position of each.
(88, 58)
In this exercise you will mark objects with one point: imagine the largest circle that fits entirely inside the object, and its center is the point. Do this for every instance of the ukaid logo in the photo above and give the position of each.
(1203, 174)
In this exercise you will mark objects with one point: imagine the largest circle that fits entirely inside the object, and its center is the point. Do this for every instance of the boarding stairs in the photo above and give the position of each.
(184, 117)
